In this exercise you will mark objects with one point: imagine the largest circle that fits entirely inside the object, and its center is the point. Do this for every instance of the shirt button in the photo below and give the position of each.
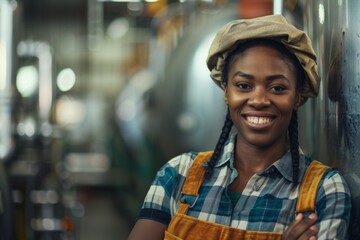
(256, 187)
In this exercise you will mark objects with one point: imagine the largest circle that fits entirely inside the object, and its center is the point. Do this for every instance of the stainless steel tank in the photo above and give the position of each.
(190, 108)
(333, 125)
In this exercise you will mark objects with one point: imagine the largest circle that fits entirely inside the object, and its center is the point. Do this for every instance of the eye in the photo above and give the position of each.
(277, 89)
(243, 86)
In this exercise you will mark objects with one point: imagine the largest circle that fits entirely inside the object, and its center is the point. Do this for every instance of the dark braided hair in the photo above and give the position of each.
(226, 129)
(293, 126)
(294, 145)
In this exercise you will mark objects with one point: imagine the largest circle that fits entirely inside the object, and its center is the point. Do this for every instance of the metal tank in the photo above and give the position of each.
(189, 108)
(333, 119)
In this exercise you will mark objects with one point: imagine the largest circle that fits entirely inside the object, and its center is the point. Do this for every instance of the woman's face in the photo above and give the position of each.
(261, 94)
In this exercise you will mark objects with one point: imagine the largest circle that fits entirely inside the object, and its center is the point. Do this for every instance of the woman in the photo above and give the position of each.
(255, 184)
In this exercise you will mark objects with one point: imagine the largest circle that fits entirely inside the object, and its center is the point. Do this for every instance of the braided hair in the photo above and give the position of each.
(226, 129)
(293, 125)
(294, 145)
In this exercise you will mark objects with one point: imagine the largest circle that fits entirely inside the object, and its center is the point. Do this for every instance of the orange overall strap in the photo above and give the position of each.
(194, 178)
(309, 186)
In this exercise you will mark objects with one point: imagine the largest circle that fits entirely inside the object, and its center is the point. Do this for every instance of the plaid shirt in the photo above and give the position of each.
(266, 204)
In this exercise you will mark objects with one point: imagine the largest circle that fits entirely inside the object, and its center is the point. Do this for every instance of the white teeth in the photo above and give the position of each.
(259, 120)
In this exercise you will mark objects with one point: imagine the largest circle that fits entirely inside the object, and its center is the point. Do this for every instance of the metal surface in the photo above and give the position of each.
(334, 27)
(190, 108)
(329, 125)
(7, 228)
(6, 60)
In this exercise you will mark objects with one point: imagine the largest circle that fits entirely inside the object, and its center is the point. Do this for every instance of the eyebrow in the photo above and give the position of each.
(251, 77)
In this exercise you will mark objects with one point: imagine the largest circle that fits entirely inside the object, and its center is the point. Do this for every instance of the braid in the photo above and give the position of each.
(294, 145)
(219, 145)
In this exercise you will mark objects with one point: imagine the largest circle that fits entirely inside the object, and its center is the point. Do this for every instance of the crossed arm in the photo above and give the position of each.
(301, 228)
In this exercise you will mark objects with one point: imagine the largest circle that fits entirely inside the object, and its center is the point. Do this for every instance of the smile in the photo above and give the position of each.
(258, 120)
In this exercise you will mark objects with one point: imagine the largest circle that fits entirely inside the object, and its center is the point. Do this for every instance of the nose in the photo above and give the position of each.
(259, 98)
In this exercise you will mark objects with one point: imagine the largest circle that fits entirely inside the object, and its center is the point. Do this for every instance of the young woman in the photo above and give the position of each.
(256, 184)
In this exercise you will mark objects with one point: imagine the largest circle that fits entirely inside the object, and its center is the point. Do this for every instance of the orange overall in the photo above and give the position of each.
(183, 227)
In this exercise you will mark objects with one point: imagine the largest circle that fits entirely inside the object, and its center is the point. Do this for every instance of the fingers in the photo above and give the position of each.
(302, 228)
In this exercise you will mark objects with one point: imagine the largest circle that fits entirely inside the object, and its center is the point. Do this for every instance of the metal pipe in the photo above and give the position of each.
(6, 33)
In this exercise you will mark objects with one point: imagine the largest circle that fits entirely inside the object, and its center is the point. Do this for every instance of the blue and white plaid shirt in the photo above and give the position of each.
(266, 204)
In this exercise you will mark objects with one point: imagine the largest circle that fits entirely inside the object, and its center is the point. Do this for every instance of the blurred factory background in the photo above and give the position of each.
(95, 95)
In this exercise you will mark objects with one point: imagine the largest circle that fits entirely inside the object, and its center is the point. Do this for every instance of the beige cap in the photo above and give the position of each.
(273, 27)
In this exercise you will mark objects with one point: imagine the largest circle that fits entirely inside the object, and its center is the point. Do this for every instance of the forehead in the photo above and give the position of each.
(263, 55)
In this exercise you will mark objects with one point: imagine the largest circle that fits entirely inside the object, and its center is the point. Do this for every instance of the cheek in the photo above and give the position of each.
(287, 106)
(235, 98)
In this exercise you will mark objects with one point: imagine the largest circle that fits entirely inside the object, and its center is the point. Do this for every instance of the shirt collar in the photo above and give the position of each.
(283, 165)
(228, 151)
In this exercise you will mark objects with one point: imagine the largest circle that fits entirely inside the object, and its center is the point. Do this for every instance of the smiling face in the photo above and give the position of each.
(261, 93)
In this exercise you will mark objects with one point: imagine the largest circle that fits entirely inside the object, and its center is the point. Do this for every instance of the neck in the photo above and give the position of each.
(254, 159)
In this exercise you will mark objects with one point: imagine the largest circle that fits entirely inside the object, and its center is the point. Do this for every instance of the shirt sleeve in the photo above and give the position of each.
(333, 207)
(161, 200)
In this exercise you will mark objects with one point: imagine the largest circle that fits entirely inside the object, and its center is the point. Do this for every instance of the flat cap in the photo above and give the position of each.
(274, 27)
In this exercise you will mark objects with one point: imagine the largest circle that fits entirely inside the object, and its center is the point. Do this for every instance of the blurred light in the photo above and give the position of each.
(46, 129)
(118, 28)
(26, 127)
(127, 110)
(49, 224)
(77, 209)
(2, 66)
(198, 65)
(87, 162)
(187, 122)
(135, 8)
(46, 224)
(66, 79)
(17, 196)
(44, 197)
(321, 13)
(27, 80)
(69, 112)
(41, 51)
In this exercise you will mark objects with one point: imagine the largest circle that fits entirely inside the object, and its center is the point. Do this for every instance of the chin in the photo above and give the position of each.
(261, 141)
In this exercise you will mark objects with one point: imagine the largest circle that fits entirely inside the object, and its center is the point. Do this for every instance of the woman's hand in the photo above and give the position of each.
(302, 228)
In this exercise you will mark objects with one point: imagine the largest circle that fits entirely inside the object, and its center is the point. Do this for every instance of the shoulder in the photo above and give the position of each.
(333, 205)
(179, 164)
(175, 170)
(333, 198)
(331, 185)
(331, 175)
(334, 181)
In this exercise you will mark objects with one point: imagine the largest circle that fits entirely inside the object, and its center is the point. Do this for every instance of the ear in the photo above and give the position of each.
(297, 100)
(225, 93)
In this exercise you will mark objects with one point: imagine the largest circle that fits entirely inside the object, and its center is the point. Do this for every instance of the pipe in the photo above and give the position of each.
(6, 33)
